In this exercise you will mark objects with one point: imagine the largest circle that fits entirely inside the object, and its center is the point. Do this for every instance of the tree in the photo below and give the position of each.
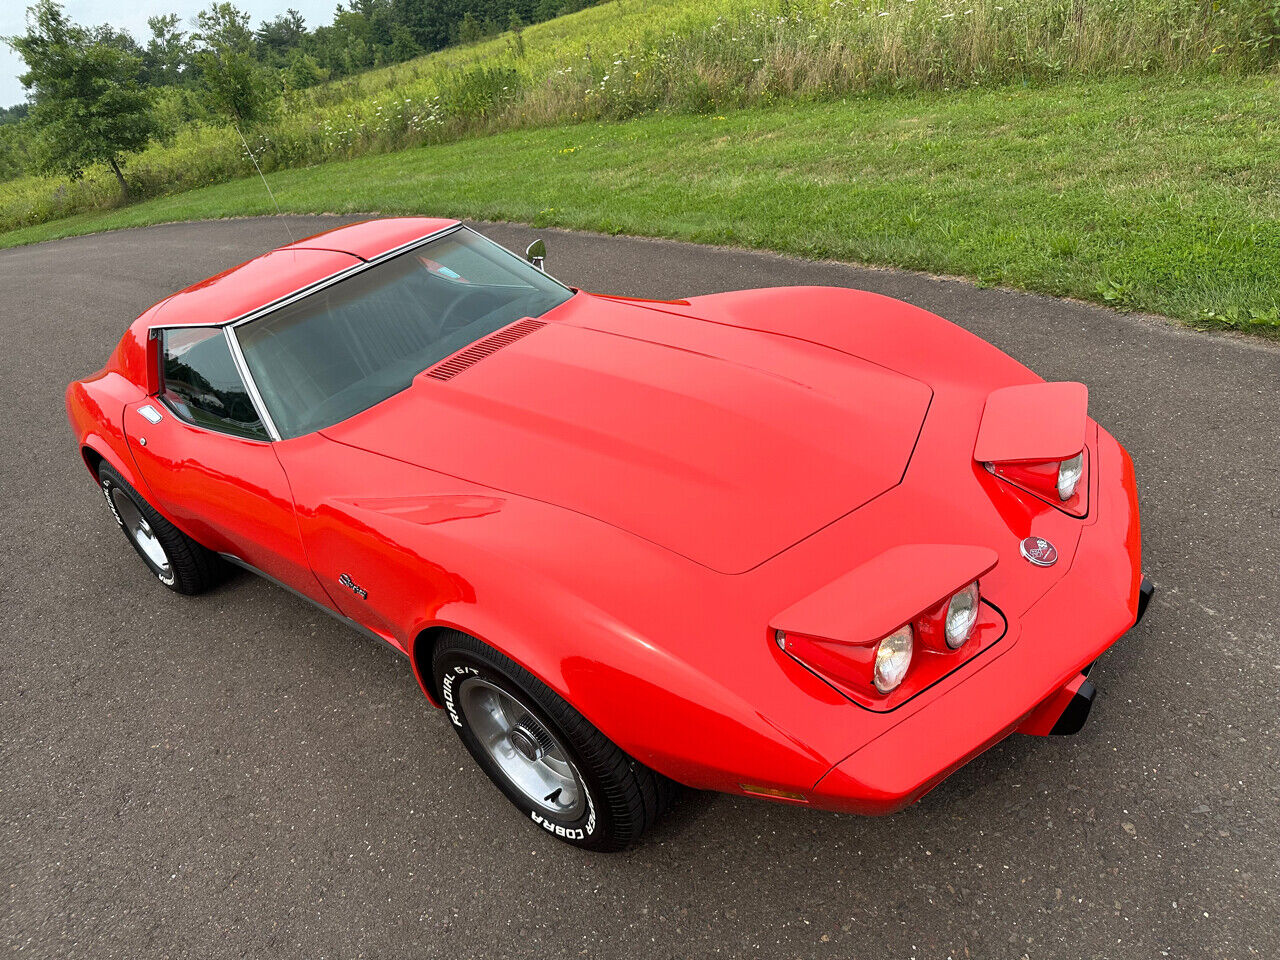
(226, 26)
(380, 17)
(403, 46)
(15, 157)
(469, 29)
(278, 38)
(354, 35)
(546, 9)
(302, 72)
(359, 55)
(516, 26)
(168, 54)
(429, 22)
(87, 104)
(235, 84)
(116, 38)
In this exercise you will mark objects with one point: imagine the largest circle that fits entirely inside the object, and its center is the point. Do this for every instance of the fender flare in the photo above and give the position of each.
(693, 701)
(95, 451)
(95, 409)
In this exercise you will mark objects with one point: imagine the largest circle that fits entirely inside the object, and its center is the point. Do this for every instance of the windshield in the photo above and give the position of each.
(351, 345)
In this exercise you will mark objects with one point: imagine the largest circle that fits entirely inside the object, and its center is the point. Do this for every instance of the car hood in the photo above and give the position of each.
(722, 444)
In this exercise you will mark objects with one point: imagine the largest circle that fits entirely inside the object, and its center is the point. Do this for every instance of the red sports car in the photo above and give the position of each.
(808, 544)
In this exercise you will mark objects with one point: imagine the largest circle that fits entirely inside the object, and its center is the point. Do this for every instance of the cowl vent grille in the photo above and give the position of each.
(450, 368)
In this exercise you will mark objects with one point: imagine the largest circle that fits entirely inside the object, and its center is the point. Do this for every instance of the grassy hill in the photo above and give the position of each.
(630, 57)
(1120, 150)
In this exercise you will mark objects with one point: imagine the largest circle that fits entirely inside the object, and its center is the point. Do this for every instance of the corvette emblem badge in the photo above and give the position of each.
(1039, 551)
(354, 587)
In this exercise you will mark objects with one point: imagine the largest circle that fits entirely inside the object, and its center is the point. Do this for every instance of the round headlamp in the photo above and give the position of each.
(1069, 472)
(962, 615)
(893, 656)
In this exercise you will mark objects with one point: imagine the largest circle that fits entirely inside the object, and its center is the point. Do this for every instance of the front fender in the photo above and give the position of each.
(892, 333)
(571, 621)
(95, 410)
(657, 708)
(622, 629)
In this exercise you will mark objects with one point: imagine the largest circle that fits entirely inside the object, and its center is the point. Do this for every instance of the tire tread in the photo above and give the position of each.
(635, 794)
(197, 568)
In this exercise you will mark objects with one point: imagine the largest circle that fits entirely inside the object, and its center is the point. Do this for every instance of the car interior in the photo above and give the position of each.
(351, 345)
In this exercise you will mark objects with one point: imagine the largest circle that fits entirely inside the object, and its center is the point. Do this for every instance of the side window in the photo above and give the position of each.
(200, 382)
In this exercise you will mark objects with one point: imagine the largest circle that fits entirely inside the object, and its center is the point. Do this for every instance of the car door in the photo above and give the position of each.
(209, 462)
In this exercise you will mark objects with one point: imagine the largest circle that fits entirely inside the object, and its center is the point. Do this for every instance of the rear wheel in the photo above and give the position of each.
(178, 562)
(557, 768)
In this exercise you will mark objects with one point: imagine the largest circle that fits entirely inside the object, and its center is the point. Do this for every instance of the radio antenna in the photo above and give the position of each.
(254, 161)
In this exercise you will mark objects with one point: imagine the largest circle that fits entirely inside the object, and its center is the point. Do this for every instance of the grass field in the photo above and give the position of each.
(1124, 151)
(629, 58)
(1154, 194)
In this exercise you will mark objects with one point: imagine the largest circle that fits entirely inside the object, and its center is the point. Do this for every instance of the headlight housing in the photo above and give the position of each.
(1062, 483)
(1069, 473)
(893, 657)
(962, 616)
(879, 633)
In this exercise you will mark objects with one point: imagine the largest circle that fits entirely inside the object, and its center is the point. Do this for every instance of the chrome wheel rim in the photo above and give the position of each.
(527, 754)
(140, 532)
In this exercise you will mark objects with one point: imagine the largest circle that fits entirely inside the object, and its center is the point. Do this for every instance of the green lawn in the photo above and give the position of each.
(1159, 195)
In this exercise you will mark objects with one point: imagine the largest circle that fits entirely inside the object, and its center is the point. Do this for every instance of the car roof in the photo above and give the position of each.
(286, 270)
(371, 238)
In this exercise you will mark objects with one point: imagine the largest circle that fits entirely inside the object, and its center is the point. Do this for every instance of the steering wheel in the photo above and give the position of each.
(447, 311)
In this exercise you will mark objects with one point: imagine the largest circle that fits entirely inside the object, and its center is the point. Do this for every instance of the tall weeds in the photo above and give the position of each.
(631, 57)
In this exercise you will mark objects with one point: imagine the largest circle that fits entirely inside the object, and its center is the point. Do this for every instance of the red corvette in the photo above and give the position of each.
(808, 544)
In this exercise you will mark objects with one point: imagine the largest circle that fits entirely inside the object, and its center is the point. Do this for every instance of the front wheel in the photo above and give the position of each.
(557, 768)
(178, 562)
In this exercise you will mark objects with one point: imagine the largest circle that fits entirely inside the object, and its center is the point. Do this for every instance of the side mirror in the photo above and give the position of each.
(536, 253)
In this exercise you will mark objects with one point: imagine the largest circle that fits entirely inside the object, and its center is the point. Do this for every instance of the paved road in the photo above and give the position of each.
(237, 776)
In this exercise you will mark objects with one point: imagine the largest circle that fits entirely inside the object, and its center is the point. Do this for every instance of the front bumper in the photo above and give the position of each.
(1031, 684)
(1065, 711)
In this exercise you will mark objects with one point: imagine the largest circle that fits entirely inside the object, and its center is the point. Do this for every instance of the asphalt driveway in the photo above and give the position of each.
(236, 775)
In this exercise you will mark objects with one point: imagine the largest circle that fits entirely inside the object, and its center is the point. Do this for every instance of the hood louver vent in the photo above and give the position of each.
(482, 348)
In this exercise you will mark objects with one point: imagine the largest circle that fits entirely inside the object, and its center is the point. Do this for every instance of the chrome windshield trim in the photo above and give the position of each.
(255, 397)
(229, 326)
(318, 284)
(340, 276)
(514, 255)
(242, 364)
(237, 362)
